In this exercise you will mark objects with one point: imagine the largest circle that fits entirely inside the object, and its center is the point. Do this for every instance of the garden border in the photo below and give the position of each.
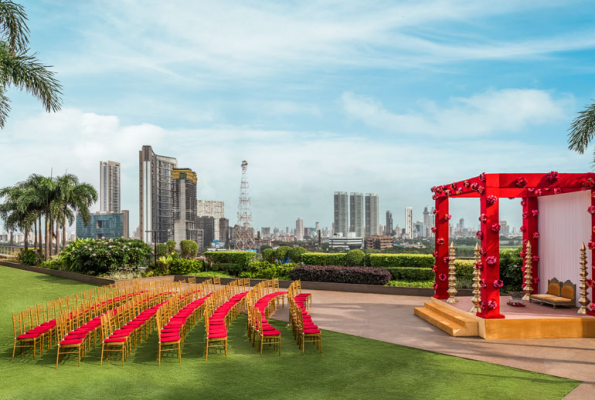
(90, 279)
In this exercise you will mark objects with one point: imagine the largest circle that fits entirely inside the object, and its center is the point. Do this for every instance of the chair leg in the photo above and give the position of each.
(14, 347)
(179, 353)
(226, 349)
(159, 354)
(102, 346)
(58, 357)
(79, 351)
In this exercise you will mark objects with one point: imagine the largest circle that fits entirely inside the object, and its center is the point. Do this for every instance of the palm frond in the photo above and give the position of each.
(13, 25)
(582, 130)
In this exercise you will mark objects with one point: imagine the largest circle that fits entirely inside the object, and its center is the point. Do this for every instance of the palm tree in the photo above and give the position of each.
(20, 69)
(16, 213)
(582, 130)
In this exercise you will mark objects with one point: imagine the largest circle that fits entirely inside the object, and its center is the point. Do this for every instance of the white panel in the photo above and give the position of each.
(564, 224)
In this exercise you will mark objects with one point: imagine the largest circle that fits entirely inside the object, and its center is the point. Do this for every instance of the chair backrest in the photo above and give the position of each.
(568, 290)
(553, 287)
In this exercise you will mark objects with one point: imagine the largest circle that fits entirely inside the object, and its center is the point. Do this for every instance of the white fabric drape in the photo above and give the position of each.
(564, 224)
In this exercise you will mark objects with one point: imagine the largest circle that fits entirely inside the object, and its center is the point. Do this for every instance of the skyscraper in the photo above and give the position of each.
(428, 221)
(155, 192)
(212, 208)
(409, 222)
(372, 214)
(109, 186)
(388, 228)
(356, 214)
(299, 229)
(341, 213)
(184, 204)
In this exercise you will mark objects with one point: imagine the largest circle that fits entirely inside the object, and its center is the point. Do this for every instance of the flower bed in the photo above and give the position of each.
(330, 273)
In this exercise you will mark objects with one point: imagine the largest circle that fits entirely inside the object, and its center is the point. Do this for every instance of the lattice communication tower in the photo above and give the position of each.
(245, 234)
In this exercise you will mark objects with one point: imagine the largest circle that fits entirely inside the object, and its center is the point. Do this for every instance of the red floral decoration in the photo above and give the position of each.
(496, 228)
(498, 284)
(523, 203)
(535, 212)
(447, 193)
(536, 235)
(474, 185)
(491, 200)
(447, 217)
(435, 268)
(482, 176)
(479, 235)
(466, 184)
(437, 190)
(483, 252)
(440, 241)
(435, 286)
(435, 211)
(535, 281)
(446, 259)
(523, 228)
(590, 283)
(552, 176)
(434, 229)
(525, 215)
(459, 190)
(445, 187)
(453, 186)
(480, 190)
(435, 254)
(442, 277)
(592, 306)
(557, 190)
(492, 304)
(434, 197)
(483, 283)
(520, 182)
(587, 183)
(492, 260)
(535, 258)
(433, 189)
(522, 254)
(591, 245)
(591, 209)
(479, 265)
(530, 190)
(483, 218)
(538, 192)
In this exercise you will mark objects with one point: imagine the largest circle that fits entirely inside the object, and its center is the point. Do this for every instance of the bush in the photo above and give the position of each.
(419, 284)
(281, 253)
(267, 270)
(412, 274)
(464, 269)
(401, 260)
(329, 273)
(53, 264)
(161, 250)
(29, 257)
(189, 249)
(510, 269)
(236, 261)
(323, 258)
(182, 266)
(354, 258)
(295, 254)
(268, 255)
(171, 246)
(101, 256)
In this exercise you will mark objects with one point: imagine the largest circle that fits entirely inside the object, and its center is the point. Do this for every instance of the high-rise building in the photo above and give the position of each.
(372, 214)
(409, 222)
(184, 204)
(299, 229)
(266, 232)
(341, 214)
(155, 193)
(207, 224)
(101, 225)
(211, 208)
(356, 214)
(109, 186)
(428, 221)
(224, 235)
(388, 228)
(317, 227)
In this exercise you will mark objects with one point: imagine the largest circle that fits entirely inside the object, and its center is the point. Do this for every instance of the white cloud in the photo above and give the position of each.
(507, 110)
(292, 173)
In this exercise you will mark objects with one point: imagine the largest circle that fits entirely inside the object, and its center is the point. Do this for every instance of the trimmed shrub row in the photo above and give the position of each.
(358, 258)
(323, 258)
(337, 274)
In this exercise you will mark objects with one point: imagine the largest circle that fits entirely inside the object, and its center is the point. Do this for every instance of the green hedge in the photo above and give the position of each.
(189, 249)
(411, 274)
(323, 259)
(235, 262)
(464, 269)
(267, 270)
(182, 266)
(401, 260)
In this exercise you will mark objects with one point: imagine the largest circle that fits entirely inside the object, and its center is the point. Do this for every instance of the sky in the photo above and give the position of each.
(387, 97)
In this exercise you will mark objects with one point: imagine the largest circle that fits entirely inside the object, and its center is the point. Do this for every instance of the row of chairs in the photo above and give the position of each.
(262, 301)
(304, 329)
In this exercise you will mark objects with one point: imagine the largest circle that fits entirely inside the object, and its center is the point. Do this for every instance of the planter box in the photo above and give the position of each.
(90, 279)
(343, 287)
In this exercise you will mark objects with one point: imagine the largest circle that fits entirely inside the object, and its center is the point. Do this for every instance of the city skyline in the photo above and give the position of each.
(376, 114)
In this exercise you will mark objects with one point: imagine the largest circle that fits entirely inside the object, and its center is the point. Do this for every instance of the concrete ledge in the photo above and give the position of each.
(90, 279)
(342, 287)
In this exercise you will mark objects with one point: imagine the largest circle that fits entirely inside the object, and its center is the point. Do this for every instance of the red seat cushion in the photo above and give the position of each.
(271, 333)
(310, 331)
(28, 336)
(71, 342)
(217, 335)
(169, 339)
(114, 340)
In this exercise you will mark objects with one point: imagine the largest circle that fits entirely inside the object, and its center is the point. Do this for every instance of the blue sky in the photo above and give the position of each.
(385, 97)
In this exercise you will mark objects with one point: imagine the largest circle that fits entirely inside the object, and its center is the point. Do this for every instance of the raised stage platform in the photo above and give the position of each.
(531, 322)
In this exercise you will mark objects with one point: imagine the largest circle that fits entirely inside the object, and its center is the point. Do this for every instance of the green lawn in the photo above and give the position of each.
(349, 367)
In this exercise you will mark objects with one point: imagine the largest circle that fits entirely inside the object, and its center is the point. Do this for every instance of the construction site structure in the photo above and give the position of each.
(245, 232)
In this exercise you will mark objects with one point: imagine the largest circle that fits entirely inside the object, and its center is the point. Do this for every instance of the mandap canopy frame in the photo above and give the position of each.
(489, 188)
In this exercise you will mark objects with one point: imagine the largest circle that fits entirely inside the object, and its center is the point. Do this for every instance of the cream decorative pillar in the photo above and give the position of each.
(528, 289)
(452, 276)
(584, 300)
(476, 283)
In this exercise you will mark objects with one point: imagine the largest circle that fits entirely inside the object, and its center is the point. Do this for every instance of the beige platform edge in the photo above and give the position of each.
(457, 322)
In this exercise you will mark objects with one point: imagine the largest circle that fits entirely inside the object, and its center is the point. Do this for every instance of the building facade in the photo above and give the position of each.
(299, 229)
(356, 214)
(156, 220)
(212, 208)
(102, 225)
(207, 225)
(224, 234)
(379, 242)
(372, 214)
(388, 228)
(409, 222)
(184, 204)
(109, 186)
(341, 214)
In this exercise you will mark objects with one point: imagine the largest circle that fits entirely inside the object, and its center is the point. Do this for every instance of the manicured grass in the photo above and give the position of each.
(350, 367)
(211, 274)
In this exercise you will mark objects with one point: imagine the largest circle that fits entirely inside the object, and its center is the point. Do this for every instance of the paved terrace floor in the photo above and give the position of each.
(390, 319)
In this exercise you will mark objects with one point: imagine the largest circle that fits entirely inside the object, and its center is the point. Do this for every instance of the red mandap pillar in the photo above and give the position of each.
(531, 234)
(590, 311)
(490, 254)
(441, 248)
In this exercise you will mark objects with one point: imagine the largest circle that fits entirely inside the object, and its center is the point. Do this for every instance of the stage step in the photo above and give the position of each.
(452, 321)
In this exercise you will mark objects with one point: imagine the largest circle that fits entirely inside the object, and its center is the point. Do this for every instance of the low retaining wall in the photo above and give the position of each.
(342, 287)
(90, 279)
